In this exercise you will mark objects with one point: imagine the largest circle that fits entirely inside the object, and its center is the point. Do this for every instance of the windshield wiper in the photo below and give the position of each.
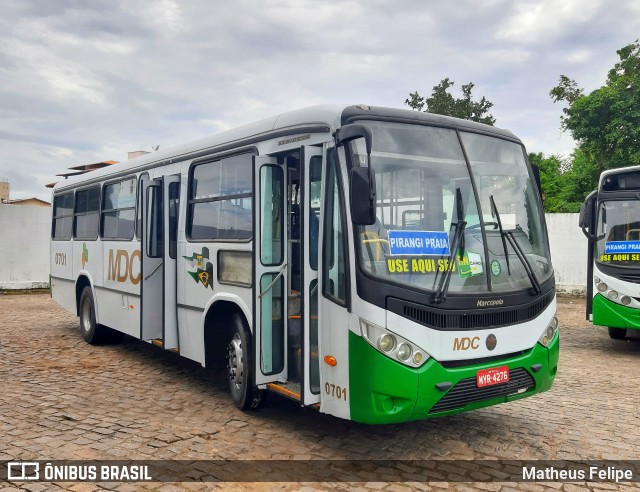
(516, 247)
(458, 238)
(496, 215)
(525, 263)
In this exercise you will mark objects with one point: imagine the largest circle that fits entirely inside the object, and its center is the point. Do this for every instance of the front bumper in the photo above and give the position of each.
(611, 314)
(385, 391)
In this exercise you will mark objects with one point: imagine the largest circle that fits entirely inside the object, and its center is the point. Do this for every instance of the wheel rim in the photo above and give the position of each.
(85, 315)
(236, 361)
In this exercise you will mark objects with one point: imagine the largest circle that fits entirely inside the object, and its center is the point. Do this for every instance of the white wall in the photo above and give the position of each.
(568, 253)
(24, 246)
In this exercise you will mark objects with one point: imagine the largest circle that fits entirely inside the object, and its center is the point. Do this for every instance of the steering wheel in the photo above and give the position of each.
(476, 226)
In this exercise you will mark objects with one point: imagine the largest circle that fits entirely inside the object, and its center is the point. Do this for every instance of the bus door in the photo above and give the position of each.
(333, 292)
(171, 202)
(311, 173)
(270, 271)
(159, 228)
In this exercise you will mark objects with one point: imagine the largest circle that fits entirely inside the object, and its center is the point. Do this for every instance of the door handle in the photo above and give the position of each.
(154, 270)
(280, 274)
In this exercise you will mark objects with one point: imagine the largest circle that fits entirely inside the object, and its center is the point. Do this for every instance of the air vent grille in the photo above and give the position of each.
(466, 391)
(441, 319)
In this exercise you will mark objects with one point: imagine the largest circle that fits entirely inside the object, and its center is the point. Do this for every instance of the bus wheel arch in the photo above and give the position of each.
(86, 309)
(82, 282)
(228, 345)
(217, 332)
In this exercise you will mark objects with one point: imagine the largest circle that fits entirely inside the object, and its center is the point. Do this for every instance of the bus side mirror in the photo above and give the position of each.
(363, 206)
(587, 213)
(362, 180)
(351, 132)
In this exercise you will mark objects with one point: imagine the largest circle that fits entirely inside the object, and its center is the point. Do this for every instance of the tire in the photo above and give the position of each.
(240, 368)
(618, 333)
(92, 332)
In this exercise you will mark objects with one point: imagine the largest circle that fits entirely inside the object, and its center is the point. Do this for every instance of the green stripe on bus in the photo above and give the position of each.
(608, 313)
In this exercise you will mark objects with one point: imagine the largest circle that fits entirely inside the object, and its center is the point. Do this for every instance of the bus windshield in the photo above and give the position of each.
(431, 222)
(618, 233)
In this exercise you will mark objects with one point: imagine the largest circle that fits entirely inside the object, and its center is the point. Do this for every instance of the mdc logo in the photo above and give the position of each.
(122, 268)
(466, 343)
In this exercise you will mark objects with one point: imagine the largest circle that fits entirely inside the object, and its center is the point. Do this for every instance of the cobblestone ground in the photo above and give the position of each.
(64, 399)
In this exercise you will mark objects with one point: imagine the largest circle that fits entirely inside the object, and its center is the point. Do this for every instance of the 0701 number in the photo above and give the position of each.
(336, 391)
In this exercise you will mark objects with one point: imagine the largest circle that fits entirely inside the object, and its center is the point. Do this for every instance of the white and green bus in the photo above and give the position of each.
(610, 218)
(381, 265)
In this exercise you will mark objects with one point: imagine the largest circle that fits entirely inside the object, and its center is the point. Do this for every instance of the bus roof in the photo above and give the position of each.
(331, 117)
(619, 170)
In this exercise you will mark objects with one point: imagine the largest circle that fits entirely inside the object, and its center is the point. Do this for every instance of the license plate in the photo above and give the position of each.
(495, 375)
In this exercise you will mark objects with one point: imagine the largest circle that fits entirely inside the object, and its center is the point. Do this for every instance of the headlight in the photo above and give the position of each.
(392, 345)
(386, 342)
(612, 294)
(404, 351)
(549, 333)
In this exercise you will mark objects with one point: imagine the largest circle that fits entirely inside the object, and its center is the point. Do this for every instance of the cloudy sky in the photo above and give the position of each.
(83, 81)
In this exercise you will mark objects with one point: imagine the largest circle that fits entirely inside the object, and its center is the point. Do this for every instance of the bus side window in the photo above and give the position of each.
(118, 209)
(62, 216)
(139, 205)
(220, 206)
(155, 244)
(174, 206)
(334, 267)
(313, 205)
(314, 232)
(87, 214)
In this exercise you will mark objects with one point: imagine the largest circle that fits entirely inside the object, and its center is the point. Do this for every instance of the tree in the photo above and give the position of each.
(605, 122)
(581, 180)
(442, 102)
(550, 179)
(563, 181)
(555, 181)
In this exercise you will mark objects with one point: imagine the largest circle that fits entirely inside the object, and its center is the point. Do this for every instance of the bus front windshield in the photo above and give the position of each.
(430, 221)
(618, 233)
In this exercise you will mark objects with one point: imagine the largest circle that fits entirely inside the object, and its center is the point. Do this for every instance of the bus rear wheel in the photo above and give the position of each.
(617, 333)
(244, 394)
(91, 332)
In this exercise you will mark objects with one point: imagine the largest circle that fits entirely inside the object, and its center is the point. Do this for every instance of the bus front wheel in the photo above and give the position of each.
(617, 333)
(244, 394)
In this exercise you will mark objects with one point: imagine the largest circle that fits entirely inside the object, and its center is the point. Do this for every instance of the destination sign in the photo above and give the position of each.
(418, 243)
(611, 247)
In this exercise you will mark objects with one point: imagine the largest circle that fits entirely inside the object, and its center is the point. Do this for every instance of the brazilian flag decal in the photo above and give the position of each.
(203, 272)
